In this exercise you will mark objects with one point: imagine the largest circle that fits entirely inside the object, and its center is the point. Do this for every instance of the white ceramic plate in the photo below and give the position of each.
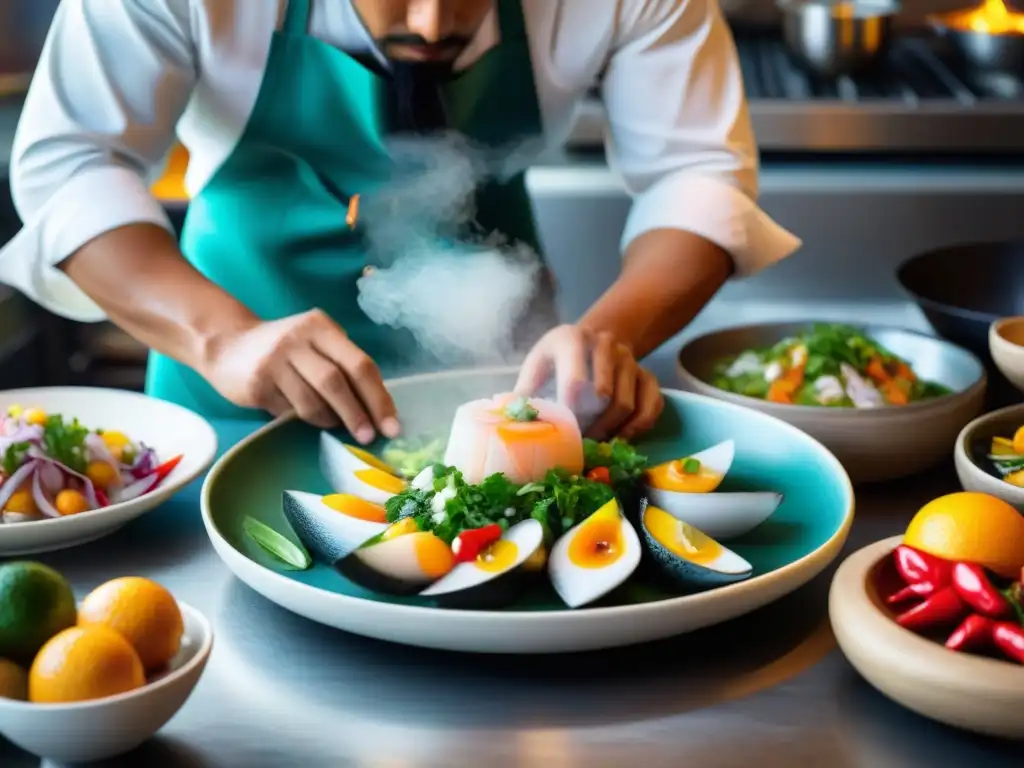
(96, 730)
(793, 546)
(169, 429)
(971, 692)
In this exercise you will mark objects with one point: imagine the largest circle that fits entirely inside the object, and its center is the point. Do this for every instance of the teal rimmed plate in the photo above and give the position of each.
(796, 543)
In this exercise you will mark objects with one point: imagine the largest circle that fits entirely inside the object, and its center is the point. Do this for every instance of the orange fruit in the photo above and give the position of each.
(970, 527)
(84, 663)
(143, 612)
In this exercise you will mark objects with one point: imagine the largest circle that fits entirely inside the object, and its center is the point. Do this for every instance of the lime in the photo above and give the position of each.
(36, 603)
(13, 681)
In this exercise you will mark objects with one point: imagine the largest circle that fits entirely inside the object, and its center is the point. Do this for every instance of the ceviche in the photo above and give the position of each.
(52, 466)
(830, 365)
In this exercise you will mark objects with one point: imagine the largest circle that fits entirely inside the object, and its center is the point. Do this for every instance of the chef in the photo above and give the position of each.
(286, 108)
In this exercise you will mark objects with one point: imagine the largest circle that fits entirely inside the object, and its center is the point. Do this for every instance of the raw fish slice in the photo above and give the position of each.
(485, 441)
(721, 516)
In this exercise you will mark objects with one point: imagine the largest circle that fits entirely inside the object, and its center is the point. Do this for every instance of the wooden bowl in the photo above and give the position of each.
(975, 693)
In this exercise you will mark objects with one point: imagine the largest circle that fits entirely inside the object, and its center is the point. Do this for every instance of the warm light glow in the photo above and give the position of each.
(991, 17)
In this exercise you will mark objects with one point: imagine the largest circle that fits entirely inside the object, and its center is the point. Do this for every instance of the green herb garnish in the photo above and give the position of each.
(14, 457)
(410, 456)
(281, 548)
(521, 410)
(691, 466)
(65, 442)
(624, 463)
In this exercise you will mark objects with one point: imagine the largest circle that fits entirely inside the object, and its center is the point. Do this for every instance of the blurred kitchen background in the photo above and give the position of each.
(879, 140)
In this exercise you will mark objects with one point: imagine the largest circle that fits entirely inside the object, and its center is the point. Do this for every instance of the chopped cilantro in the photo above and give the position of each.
(691, 466)
(624, 463)
(521, 410)
(65, 442)
(14, 457)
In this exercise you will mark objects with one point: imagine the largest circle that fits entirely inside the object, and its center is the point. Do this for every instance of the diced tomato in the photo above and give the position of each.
(600, 475)
(469, 544)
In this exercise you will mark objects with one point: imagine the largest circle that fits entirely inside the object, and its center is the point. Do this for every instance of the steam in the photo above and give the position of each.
(462, 299)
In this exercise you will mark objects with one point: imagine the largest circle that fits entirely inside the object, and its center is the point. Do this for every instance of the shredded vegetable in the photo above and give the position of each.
(52, 466)
(830, 365)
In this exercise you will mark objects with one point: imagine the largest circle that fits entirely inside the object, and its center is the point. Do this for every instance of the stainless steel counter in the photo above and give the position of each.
(769, 689)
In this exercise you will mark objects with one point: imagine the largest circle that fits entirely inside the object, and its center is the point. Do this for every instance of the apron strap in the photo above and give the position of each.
(511, 21)
(296, 19)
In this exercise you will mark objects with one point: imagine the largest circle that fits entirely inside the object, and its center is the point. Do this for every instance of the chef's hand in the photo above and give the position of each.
(633, 395)
(304, 363)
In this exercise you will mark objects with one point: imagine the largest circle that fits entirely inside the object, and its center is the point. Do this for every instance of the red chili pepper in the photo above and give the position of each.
(919, 591)
(944, 607)
(974, 633)
(917, 567)
(975, 589)
(101, 497)
(165, 469)
(1009, 638)
(600, 475)
(469, 544)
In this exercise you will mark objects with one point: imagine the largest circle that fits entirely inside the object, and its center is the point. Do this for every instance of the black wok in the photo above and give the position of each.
(962, 290)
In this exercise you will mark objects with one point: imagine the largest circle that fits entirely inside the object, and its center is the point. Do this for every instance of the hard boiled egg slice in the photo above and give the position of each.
(490, 580)
(686, 555)
(401, 561)
(353, 470)
(594, 557)
(700, 473)
(332, 526)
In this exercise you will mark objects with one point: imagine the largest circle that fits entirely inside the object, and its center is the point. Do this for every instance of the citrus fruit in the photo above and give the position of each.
(13, 681)
(143, 612)
(36, 603)
(970, 527)
(84, 663)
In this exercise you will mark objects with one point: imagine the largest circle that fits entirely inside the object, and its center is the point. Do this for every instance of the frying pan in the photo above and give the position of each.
(962, 290)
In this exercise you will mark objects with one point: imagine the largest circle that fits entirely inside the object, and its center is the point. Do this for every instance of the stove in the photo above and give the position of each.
(919, 100)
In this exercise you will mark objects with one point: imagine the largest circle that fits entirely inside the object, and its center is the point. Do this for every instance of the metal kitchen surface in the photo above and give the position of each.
(918, 101)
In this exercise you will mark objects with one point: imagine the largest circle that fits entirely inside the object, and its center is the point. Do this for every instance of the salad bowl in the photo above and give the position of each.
(282, 463)
(873, 443)
(179, 446)
(973, 451)
(1006, 345)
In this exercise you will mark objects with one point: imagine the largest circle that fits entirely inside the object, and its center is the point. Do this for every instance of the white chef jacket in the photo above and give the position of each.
(118, 79)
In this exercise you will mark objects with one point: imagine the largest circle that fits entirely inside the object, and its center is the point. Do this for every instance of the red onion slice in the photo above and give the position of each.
(136, 489)
(13, 483)
(42, 503)
(88, 487)
(51, 477)
(145, 463)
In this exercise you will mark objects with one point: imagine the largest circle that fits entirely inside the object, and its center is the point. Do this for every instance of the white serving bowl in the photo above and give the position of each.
(1006, 345)
(168, 428)
(971, 692)
(96, 730)
(968, 452)
(873, 444)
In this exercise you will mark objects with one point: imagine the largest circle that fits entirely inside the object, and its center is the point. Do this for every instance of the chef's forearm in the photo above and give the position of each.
(668, 276)
(139, 277)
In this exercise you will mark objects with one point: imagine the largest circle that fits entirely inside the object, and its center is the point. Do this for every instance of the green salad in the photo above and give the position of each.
(830, 365)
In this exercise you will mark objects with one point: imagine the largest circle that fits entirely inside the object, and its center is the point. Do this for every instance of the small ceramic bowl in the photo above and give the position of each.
(97, 730)
(872, 444)
(976, 693)
(1006, 345)
(972, 446)
(167, 428)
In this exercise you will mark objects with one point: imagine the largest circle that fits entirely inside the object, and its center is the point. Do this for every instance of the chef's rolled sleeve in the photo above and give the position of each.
(680, 133)
(99, 118)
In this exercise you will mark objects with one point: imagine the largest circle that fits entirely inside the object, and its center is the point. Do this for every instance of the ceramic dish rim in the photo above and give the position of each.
(630, 611)
(943, 666)
(159, 494)
(976, 387)
(205, 630)
(996, 338)
(962, 454)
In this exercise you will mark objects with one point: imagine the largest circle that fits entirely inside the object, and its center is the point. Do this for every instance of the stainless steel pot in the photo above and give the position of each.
(23, 28)
(984, 51)
(837, 38)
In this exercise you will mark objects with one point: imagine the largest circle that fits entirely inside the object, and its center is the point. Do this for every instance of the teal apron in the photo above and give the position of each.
(267, 227)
